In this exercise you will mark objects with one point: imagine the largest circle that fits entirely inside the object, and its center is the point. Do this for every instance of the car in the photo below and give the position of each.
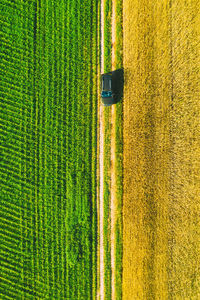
(107, 96)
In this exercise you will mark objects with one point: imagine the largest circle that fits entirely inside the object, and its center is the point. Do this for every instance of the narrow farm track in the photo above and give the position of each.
(112, 203)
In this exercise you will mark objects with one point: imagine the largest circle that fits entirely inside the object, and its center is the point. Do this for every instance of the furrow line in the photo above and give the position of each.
(57, 126)
(63, 180)
(52, 180)
(45, 141)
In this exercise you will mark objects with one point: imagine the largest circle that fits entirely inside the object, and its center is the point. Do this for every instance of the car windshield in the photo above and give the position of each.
(106, 94)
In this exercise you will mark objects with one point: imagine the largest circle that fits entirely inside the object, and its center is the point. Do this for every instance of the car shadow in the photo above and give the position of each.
(118, 84)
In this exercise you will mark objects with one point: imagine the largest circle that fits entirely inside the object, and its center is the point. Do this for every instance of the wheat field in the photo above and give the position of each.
(161, 200)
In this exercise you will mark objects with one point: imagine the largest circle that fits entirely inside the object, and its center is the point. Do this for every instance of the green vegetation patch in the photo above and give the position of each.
(48, 149)
(107, 152)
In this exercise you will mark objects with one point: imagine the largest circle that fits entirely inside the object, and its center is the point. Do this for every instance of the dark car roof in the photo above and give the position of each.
(106, 81)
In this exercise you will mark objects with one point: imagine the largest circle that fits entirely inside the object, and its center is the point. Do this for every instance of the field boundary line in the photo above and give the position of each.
(98, 148)
(113, 205)
(101, 167)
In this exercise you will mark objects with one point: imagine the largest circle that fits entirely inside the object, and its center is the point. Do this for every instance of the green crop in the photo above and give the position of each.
(48, 133)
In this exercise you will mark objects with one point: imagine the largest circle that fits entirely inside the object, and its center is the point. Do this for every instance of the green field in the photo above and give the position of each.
(48, 88)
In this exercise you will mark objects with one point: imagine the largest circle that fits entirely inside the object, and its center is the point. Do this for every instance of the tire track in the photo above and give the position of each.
(101, 169)
(113, 175)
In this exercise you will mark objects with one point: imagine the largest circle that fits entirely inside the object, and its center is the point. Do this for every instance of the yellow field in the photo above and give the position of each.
(161, 214)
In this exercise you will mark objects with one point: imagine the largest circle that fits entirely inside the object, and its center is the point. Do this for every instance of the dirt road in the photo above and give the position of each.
(101, 168)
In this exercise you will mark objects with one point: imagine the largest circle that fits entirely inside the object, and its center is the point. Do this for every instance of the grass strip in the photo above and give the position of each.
(107, 153)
